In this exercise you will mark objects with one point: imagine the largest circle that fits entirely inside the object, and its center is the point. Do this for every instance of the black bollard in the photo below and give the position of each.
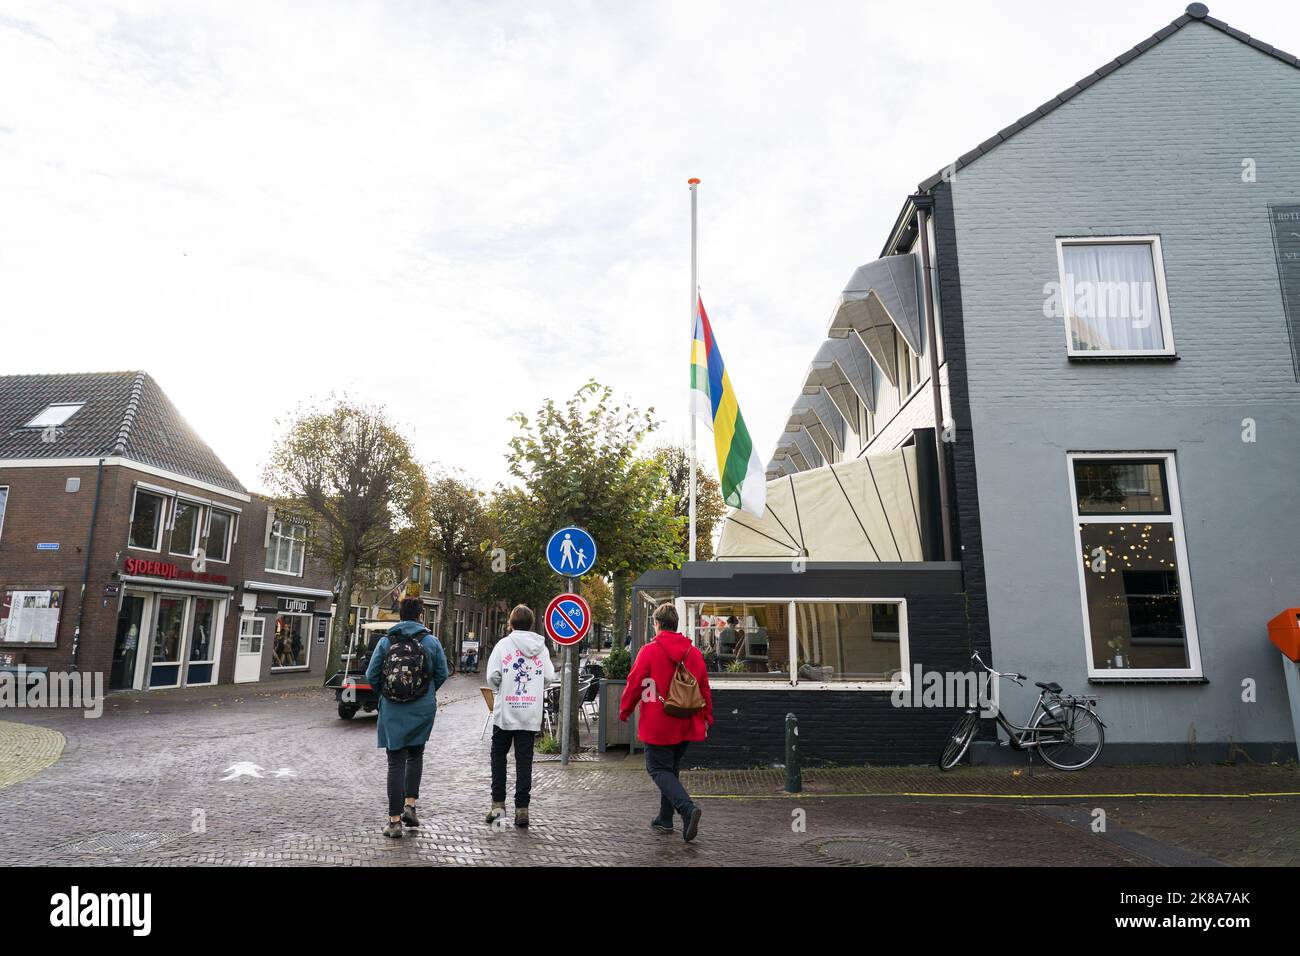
(793, 773)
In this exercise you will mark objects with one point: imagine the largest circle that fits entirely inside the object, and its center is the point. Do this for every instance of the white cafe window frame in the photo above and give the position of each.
(794, 682)
(1175, 518)
(1162, 294)
(159, 528)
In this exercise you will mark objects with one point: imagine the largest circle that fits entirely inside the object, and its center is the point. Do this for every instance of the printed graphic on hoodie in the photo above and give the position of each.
(523, 670)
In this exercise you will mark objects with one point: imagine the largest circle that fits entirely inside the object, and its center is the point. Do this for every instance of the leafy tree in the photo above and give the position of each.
(455, 521)
(351, 473)
(709, 506)
(578, 463)
(600, 598)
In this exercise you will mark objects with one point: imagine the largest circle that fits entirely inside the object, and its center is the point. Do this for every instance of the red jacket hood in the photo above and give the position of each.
(675, 644)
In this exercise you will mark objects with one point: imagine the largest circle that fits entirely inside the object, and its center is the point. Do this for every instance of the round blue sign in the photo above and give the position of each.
(571, 552)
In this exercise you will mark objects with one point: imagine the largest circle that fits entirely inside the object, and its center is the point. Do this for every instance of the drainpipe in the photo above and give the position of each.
(85, 571)
(924, 203)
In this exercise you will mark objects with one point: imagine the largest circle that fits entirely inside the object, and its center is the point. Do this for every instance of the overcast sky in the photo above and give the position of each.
(459, 209)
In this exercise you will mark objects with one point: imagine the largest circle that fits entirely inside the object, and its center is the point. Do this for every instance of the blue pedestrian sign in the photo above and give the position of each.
(571, 552)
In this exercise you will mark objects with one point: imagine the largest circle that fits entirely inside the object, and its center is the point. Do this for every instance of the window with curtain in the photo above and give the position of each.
(1112, 294)
(288, 545)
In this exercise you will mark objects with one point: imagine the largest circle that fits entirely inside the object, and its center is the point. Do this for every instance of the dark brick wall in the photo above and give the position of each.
(846, 727)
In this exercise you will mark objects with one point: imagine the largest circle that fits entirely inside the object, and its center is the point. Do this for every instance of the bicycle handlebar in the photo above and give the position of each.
(1017, 677)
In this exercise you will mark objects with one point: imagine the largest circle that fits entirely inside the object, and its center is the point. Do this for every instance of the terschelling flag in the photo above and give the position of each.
(744, 484)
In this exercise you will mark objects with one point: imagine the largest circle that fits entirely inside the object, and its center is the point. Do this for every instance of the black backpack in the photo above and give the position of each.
(403, 673)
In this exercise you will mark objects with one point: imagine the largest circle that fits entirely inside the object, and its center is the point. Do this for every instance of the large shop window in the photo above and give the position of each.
(1137, 607)
(858, 644)
(288, 545)
(1113, 296)
(147, 520)
(292, 642)
(203, 644)
(168, 631)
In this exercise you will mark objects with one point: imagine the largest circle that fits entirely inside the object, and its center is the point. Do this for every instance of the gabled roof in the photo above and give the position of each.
(1195, 12)
(124, 414)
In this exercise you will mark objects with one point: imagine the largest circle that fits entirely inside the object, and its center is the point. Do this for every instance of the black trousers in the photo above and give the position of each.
(405, 767)
(522, 741)
(663, 762)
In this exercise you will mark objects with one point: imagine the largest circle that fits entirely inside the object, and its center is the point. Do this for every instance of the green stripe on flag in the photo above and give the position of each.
(733, 474)
(700, 378)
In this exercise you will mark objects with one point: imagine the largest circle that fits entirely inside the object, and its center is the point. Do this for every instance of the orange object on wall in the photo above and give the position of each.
(1284, 631)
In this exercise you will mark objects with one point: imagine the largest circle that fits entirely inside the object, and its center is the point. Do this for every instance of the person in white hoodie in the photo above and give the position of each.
(519, 671)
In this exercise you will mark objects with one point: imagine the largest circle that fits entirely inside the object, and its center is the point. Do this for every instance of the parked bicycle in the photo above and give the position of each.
(1063, 728)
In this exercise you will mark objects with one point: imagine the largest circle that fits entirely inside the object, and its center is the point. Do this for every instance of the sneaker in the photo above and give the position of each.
(409, 818)
(661, 826)
(393, 830)
(521, 817)
(692, 824)
(496, 813)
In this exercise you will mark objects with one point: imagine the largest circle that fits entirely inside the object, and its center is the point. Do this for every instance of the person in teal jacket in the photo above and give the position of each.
(404, 726)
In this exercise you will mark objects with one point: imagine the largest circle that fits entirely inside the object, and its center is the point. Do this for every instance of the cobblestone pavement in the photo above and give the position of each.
(25, 751)
(271, 776)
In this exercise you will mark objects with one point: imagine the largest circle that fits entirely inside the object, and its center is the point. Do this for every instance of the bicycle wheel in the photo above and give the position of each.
(1069, 737)
(959, 738)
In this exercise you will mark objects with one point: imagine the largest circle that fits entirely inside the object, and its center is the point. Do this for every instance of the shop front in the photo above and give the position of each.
(283, 630)
(169, 627)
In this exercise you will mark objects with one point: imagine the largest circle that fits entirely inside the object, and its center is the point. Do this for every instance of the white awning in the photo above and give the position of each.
(881, 297)
(846, 371)
(860, 510)
(818, 414)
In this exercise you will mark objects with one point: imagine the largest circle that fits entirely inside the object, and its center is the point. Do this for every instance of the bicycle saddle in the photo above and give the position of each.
(1051, 686)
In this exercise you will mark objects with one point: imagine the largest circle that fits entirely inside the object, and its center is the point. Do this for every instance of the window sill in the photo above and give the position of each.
(1148, 680)
(1087, 357)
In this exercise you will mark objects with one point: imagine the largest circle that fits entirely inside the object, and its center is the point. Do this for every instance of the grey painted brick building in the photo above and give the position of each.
(1103, 322)
(1172, 160)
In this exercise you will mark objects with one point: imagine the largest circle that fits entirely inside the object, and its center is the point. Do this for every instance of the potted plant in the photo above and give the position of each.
(612, 731)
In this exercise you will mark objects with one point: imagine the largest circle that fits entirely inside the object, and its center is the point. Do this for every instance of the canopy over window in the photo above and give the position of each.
(845, 370)
(881, 297)
(861, 510)
(822, 420)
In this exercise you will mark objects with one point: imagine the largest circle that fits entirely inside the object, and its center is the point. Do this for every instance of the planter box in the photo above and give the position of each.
(613, 731)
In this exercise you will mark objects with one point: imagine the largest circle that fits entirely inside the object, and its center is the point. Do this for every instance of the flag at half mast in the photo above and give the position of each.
(744, 484)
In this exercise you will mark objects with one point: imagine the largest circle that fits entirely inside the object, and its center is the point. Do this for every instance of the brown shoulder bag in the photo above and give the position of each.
(684, 697)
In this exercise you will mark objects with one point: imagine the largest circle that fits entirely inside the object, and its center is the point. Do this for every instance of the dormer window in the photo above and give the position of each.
(55, 415)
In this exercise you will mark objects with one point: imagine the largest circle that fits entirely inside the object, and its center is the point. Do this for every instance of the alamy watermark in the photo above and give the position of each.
(946, 689)
(21, 687)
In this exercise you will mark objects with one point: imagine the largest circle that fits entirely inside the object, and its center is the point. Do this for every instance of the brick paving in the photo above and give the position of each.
(25, 751)
(143, 785)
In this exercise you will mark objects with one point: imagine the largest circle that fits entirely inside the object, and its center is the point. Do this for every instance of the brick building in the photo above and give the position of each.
(128, 547)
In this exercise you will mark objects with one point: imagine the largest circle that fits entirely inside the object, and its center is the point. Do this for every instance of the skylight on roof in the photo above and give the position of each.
(55, 415)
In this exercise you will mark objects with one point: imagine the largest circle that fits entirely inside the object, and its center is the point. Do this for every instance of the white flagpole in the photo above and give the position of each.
(695, 308)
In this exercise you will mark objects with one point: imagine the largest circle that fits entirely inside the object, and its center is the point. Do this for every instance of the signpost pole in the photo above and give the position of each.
(566, 697)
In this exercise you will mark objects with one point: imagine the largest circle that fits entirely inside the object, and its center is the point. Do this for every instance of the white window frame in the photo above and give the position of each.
(1162, 294)
(218, 626)
(1175, 517)
(207, 529)
(272, 536)
(200, 522)
(36, 422)
(903, 682)
(4, 508)
(159, 528)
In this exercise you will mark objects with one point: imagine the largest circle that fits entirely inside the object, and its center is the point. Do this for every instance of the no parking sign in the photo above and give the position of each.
(567, 619)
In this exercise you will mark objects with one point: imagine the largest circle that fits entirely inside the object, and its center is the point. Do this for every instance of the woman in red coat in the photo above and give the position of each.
(665, 737)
